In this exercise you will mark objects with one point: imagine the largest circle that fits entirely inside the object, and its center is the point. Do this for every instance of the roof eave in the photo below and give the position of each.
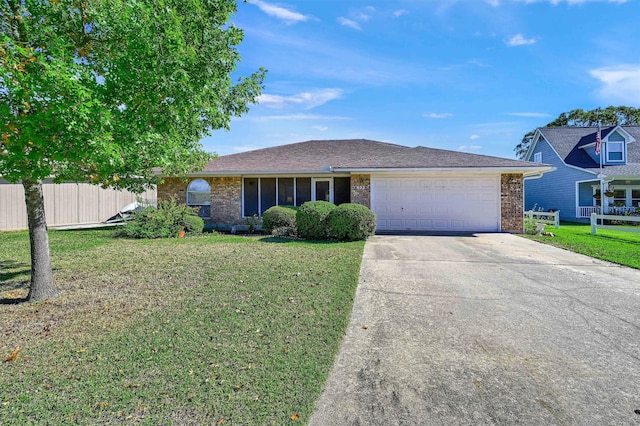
(523, 170)
(239, 173)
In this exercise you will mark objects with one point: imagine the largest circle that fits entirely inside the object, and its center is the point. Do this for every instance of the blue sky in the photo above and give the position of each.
(463, 75)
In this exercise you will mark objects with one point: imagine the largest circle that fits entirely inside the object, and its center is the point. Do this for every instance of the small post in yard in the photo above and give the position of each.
(594, 223)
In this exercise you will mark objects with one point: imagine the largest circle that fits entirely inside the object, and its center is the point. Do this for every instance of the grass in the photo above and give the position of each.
(212, 330)
(613, 246)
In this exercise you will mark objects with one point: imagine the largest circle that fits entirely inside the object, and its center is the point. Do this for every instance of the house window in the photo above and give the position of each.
(619, 197)
(342, 190)
(250, 197)
(635, 197)
(199, 197)
(285, 192)
(259, 194)
(615, 151)
(537, 157)
(303, 190)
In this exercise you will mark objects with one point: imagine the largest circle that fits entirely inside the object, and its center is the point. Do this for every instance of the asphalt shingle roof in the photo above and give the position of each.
(568, 140)
(324, 155)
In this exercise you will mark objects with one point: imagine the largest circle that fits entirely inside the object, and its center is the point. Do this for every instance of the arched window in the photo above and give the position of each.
(199, 196)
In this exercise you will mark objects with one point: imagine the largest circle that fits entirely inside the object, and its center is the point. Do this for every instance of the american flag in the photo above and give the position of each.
(598, 141)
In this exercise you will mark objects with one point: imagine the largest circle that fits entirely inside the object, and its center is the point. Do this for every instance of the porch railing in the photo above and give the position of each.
(586, 211)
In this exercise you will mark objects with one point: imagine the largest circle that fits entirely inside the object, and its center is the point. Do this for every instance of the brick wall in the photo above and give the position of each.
(226, 203)
(173, 188)
(512, 203)
(361, 189)
(226, 194)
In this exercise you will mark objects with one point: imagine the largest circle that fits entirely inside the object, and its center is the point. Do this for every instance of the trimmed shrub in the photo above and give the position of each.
(193, 224)
(164, 221)
(311, 220)
(279, 217)
(284, 231)
(351, 222)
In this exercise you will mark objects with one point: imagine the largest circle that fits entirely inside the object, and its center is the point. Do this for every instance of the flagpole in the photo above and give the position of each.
(601, 176)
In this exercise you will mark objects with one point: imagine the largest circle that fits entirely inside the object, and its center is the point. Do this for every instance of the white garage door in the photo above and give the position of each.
(436, 204)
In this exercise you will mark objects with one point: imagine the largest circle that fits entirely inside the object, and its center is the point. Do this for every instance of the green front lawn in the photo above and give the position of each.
(217, 329)
(613, 246)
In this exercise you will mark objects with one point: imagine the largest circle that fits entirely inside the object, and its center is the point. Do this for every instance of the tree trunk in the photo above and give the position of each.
(42, 283)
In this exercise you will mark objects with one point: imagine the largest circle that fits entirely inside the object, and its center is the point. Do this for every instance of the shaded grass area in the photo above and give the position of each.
(613, 246)
(236, 330)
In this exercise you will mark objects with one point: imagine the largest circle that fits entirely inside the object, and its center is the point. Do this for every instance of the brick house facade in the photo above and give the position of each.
(419, 188)
(226, 198)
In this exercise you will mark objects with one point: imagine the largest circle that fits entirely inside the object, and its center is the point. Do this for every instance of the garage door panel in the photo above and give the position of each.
(456, 203)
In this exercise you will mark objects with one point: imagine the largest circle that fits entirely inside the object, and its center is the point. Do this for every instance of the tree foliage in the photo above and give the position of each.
(106, 91)
(610, 116)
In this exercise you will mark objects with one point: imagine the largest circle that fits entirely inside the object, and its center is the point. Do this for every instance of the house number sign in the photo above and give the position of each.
(359, 187)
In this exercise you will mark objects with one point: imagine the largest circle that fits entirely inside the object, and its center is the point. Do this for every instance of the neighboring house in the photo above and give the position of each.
(574, 188)
(407, 188)
(65, 203)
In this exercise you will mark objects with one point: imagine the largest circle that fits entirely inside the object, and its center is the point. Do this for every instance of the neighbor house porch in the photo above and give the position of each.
(620, 197)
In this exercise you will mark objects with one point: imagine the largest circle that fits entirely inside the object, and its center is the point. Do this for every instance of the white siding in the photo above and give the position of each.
(65, 204)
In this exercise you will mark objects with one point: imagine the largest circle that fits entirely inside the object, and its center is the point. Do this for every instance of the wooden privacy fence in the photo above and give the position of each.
(65, 204)
(549, 218)
(595, 226)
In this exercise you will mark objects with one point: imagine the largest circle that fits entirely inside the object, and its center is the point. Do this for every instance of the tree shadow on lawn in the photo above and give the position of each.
(285, 240)
(9, 271)
(619, 240)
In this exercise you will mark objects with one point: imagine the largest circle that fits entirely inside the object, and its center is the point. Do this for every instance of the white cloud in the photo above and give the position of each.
(474, 137)
(399, 13)
(437, 115)
(529, 114)
(620, 83)
(349, 23)
(494, 3)
(321, 128)
(519, 40)
(468, 148)
(571, 2)
(279, 12)
(364, 15)
(307, 100)
(299, 117)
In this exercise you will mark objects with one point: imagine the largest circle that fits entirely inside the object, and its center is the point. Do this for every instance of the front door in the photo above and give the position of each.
(322, 190)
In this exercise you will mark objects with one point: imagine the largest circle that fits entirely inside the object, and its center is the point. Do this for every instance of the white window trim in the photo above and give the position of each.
(295, 189)
(537, 157)
(609, 160)
(209, 203)
(313, 188)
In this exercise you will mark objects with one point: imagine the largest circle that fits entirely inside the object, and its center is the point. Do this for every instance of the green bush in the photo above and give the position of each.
(351, 222)
(164, 221)
(193, 224)
(279, 217)
(311, 220)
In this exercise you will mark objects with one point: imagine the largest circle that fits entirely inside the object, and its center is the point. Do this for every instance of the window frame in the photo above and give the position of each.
(313, 180)
(610, 151)
(537, 157)
(199, 205)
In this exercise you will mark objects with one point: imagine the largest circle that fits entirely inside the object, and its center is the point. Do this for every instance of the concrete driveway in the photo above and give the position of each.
(486, 329)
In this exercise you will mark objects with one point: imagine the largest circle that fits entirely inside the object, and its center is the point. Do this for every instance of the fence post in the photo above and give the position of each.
(594, 222)
(556, 217)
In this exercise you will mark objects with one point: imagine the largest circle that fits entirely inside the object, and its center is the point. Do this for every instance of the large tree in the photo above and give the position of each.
(610, 116)
(105, 91)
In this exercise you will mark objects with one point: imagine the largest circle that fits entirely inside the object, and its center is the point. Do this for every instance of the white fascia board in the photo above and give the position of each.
(536, 137)
(458, 170)
(628, 137)
(236, 173)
